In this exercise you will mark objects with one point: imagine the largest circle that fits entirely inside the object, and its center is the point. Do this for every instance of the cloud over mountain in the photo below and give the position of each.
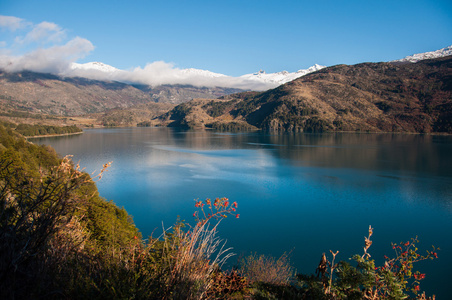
(160, 72)
(45, 48)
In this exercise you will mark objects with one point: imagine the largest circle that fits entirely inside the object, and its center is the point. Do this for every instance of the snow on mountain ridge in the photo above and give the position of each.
(427, 55)
(94, 66)
(102, 70)
(199, 72)
(167, 74)
(280, 77)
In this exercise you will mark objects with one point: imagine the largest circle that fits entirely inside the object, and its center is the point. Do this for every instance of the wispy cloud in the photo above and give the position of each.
(55, 59)
(41, 47)
(12, 23)
(43, 33)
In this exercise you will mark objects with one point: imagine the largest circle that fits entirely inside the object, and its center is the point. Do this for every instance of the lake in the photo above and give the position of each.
(298, 193)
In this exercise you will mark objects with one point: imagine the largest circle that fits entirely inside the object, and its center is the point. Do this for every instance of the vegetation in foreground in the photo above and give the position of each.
(60, 239)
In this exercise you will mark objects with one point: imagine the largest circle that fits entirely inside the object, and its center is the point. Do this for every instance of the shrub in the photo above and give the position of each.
(395, 279)
(34, 207)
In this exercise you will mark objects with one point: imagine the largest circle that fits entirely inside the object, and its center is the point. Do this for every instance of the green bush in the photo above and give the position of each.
(37, 130)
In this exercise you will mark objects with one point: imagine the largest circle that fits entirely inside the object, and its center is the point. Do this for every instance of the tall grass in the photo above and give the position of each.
(191, 257)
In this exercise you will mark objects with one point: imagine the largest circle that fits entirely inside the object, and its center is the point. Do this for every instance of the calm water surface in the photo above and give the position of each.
(304, 193)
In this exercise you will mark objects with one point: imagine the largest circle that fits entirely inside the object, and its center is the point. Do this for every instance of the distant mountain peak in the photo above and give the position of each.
(94, 66)
(280, 77)
(199, 72)
(427, 55)
(101, 71)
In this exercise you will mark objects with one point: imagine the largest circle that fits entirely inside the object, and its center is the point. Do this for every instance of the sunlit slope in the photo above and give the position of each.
(375, 97)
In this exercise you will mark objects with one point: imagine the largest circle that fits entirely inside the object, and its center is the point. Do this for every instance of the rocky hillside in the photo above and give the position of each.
(138, 114)
(29, 92)
(373, 97)
(177, 93)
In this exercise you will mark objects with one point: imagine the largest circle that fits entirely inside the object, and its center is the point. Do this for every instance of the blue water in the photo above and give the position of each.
(298, 193)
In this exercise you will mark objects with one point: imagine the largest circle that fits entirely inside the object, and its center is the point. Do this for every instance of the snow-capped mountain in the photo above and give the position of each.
(161, 73)
(98, 66)
(203, 73)
(94, 66)
(280, 77)
(98, 70)
(427, 55)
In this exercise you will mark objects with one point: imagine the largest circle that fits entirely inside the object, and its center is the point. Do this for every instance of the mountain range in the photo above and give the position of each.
(367, 97)
(427, 55)
(407, 95)
(108, 72)
(259, 80)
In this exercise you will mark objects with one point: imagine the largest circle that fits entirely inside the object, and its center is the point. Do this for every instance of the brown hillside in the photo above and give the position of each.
(371, 97)
(49, 94)
(29, 92)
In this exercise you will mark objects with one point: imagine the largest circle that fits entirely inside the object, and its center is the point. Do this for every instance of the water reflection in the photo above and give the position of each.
(411, 153)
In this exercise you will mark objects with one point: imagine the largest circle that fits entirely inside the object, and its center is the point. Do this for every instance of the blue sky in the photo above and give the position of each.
(228, 37)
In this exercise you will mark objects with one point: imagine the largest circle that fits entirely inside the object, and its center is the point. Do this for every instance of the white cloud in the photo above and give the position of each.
(56, 59)
(12, 23)
(160, 72)
(41, 48)
(42, 33)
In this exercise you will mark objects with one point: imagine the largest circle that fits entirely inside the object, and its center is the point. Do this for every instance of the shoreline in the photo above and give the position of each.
(52, 135)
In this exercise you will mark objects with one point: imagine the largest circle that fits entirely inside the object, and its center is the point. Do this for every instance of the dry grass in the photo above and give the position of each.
(267, 269)
(191, 258)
